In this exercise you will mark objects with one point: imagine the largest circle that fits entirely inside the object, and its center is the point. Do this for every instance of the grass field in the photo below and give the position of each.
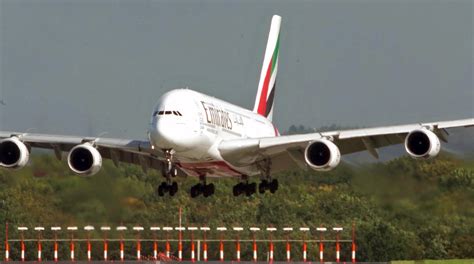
(448, 261)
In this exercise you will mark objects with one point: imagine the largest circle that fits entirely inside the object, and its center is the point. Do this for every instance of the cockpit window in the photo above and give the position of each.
(176, 113)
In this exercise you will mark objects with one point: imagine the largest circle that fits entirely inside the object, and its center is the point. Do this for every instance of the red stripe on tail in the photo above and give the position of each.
(262, 105)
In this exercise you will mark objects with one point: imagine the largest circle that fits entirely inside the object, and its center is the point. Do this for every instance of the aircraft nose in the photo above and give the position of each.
(162, 134)
(168, 134)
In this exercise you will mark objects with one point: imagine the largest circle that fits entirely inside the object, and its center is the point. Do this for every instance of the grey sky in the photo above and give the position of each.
(85, 67)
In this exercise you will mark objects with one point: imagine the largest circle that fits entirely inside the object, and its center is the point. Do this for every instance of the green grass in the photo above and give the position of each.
(447, 261)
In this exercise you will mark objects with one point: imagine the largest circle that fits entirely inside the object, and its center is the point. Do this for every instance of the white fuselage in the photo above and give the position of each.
(193, 124)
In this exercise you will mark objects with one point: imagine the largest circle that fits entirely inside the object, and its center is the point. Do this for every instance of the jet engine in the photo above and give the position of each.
(13, 153)
(84, 160)
(422, 144)
(322, 155)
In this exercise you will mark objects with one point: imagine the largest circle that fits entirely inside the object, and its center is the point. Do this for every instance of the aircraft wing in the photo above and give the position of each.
(118, 150)
(288, 151)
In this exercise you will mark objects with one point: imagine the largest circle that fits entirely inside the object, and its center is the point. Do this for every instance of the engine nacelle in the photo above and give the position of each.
(422, 144)
(13, 153)
(322, 155)
(84, 160)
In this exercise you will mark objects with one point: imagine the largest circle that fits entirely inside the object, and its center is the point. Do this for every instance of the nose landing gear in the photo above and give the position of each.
(169, 171)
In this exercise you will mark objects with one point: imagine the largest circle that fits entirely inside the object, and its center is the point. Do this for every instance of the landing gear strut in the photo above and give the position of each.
(267, 182)
(169, 171)
(202, 188)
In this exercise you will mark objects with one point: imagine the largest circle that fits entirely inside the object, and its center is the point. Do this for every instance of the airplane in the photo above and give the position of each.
(193, 134)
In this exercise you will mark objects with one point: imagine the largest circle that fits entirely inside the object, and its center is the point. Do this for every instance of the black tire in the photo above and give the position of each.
(253, 187)
(274, 186)
(194, 191)
(237, 189)
(164, 186)
(250, 188)
(212, 188)
(200, 188)
(208, 190)
(160, 191)
(173, 188)
(248, 192)
(263, 186)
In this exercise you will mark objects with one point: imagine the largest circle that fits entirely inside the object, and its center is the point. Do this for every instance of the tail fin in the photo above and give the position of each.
(266, 85)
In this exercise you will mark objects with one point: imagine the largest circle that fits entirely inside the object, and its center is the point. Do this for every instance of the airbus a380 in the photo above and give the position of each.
(192, 134)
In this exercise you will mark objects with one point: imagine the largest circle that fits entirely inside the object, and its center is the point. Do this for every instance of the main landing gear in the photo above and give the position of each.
(250, 188)
(168, 187)
(202, 188)
(244, 188)
(169, 171)
(265, 185)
